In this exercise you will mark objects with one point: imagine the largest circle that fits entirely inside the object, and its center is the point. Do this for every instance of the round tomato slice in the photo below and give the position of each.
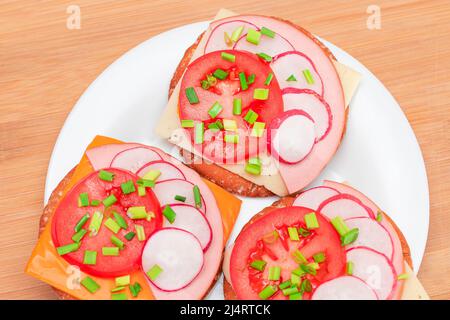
(215, 146)
(268, 239)
(69, 213)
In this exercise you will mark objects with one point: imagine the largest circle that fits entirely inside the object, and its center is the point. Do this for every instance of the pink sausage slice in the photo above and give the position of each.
(216, 40)
(313, 197)
(344, 288)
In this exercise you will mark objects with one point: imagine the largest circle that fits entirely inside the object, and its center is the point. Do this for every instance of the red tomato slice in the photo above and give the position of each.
(252, 244)
(224, 92)
(68, 214)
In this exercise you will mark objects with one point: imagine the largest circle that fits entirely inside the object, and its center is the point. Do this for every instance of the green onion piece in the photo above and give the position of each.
(135, 289)
(296, 296)
(191, 95)
(267, 32)
(340, 226)
(120, 220)
(264, 56)
(128, 187)
(379, 216)
(258, 265)
(403, 276)
(95, 202)
(251, 78)
(68, 248)
(146, 183)
(319, 257)
(303, 232)
(211, 80)
(79, 235)
(229, 125)
(110, 200)
(295, 279)
(180, 198)
(169, 213)
(253, 36)
(289, 291)
(154, 272)
(256, 161)
(274, 273)
(267, 292)
(81, 222)
(110, 251)
(119, 296)
(285, 284)
(141, 191)
(254, 169)
(311, 221)
(122, 281)
(152, 175)
(350, 237)
(231, 138)
(215, 110)
(299, 257)
(261, 94)
(298, 272)
(227, 39)
(83, 199)
(308, 269)
(117, 242)
(112, 225)
(130, 235)
(235, 35)
(291, 78)
(90, 284)
(308, 76)
(293, 234)
(314, 265)
(136, 213)
(117, 289)
(106, 175)
(197, 197)
(243, 81)
(199, 133)
(349, 268)
(140, 232)
(90, 257)
(258, 129)
(96, 223)
(215, 126)
(306, 286)
(251, 116)
(237, 106)
(228, 56)
(220, 74)
(187, 123)
(268, 79)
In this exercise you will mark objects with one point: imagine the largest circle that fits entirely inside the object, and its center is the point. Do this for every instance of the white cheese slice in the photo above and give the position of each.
(413, 289)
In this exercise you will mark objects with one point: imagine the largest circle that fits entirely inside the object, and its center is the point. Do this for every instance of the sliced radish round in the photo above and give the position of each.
(192, 220)
(313, 104)
(178, 253)
(166, 191)
(294, 63)
(133, 159)
(313, 197)
(292, 136)
(345, 206)
(372, 235)
(216, 40)
(344, 288)
(271, 46)
(168, 170)
(374, 269)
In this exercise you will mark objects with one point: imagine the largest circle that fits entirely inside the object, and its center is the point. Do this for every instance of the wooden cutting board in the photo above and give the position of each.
(45, 67)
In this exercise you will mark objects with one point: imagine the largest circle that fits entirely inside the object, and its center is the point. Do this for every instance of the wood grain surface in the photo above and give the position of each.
(45, 67)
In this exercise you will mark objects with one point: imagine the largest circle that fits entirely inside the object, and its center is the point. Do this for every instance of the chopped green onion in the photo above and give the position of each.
(291, 78)
(237, 106)
(191, 95)
(256, 161)
(119, 296)
(228, 56)
(264, 56)
(90, 284)
(199, 133)
(298, 272)
(227, 39)
(258, 265)
(197, 197)
(154, 272)
(253, 167)
(152, 175)
(308, 76)
(319, 257)
(215, 126)
(311, 221)
(106, 175)
(299, 257)
(68, 248)
(379, 216)
(285, 284)
(268, 79)
(79, 235)
(122, 281)
(130, 235)
(243, 81)
(95, 202)
(215, 110)
(229, 125)
(296, 296)
(261, 94)
(112, 225)
(135, 289)
(253, 36)
(120, 220)
(295, 279)
(303, 232)
(90, 257)
(274, 273)
(258, 129)
(306, 286)
(211, 80)
(293, 234)
(340, 226)
(96, 223)
(231, 138)
(308, 269)
(110, 200)
(403, 276)
(350, 237)
(81, 222)
(136, 213)
(180, 198)
(289, 291)
(169, 214)
(117, 242)
(141, 191)
(314, 265)
(187, 123)
(83, 199)
(237, 33)
(251, 78)
(349, 268)
(140, 232)
(117, 289)
(220, 74)
(267, 292)
(267, 32)
(251, 116)
(128, 187)
(110, 251)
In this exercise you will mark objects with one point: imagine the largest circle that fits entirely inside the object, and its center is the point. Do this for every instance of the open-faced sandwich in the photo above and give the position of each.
(328, 243)
(129, 221)
(258, 105)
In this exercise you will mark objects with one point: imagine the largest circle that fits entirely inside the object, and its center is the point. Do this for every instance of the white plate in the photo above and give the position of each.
(379, 155)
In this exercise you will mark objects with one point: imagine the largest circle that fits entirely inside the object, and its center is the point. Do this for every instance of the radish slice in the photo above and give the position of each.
(313, 197)
(374, 269)
(372, 235)
(166, 191)
(192, 220)
(216, 40)
(178, 253)
(133, 159)
(313, 104)
(293, 63)
(345, 206)
(271, 46)
(292, 136)
(101, 157)
(168, 170)
(344, 288)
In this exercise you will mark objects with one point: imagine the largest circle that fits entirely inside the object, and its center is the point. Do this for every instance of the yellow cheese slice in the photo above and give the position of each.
(413, 289)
